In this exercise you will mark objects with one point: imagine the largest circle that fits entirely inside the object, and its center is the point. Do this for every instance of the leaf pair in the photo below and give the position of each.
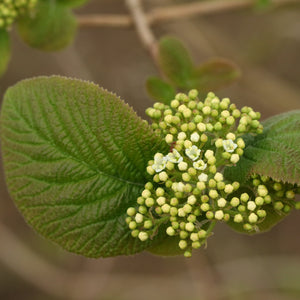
(177, 65)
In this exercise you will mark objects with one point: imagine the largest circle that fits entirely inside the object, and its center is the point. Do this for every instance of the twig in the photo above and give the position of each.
(172, 12)
(143, 28)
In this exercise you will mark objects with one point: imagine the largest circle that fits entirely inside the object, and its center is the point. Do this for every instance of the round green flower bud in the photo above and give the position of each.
(290, 194)
(187, 254)
(253, 218)
(170, 231)
(251, 205)
(173, 211)
(238, 218)
(278, 205)
(131, 211)
(182, 244)
(189, 226)
(209, 215)
(183, 234)
(259, 201)
(222, 202)
(149, 202)
(174, 201)
(143, 236)
(194, 237)
(135, 233)
(161, 201)
(166, 208)
(148, 224)
(202, 234)
(219, 215)
(261, 213)
(248, 227)
(234, 201)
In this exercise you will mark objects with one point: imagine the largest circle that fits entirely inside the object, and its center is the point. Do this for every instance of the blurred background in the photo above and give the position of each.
(266, 46)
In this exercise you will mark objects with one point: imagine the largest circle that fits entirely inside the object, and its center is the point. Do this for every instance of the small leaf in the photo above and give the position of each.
(214, 74)
(167, 247)
(273, 217)
(275, 153)
(74, 159)
(160, 90)
(175, 61)
(51, 28)
(72, 3)
(4, 50)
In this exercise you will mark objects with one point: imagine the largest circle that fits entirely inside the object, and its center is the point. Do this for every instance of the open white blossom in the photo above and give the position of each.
(159, 162)
(174, 157)
(199, 165)
(193, 152)
(229, 145)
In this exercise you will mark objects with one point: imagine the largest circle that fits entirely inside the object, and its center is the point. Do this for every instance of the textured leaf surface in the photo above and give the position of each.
(4, 50)
(276, 152)
(160, 90)
(175, 61)
(75, 157)
(51, 28)
(214, 74)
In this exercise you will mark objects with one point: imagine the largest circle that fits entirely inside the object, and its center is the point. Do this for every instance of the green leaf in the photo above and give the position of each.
(72, 3)
(52, 28)
(175, 61)
(214, 74)
(160, 90)
(273, 217)
(167, 247)
(74, 159)
(4, 50)
(275, 153)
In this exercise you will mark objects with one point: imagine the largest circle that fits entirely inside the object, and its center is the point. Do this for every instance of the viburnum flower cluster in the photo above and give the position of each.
(188, 191)
(10, 10)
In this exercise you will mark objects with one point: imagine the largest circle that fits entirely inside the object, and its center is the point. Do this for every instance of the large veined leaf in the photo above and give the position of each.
(51, 28)
(275, 153)
(175, 61)
(4, 50)
(74, 159)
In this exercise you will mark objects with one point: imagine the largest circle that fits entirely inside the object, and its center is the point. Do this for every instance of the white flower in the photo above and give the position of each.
(229, 145)
(199, 165)
(193, 152)
(159, 162)
(174, 157)
(202, 177)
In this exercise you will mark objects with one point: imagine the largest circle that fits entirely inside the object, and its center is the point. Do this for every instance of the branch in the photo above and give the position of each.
(143, 28)
(172, 12)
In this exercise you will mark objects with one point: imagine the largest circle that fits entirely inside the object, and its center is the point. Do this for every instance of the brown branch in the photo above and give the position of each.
(143, 28)
(173, 12)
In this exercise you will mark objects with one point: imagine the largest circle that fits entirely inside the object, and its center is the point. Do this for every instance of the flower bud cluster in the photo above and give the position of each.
(276, 193)
(188, 191)
(10, 10)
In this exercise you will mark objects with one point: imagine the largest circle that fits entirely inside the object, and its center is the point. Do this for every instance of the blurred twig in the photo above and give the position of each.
(143, 28)
(172, 12)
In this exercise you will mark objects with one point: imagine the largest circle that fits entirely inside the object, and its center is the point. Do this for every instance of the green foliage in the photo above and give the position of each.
(4, 50)
(175, 61)
(160, 90)
(214, 75)
(51, 28)
(275, 153)
(177, 65)
(274, 217)
(72, 3)
(74, 159)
